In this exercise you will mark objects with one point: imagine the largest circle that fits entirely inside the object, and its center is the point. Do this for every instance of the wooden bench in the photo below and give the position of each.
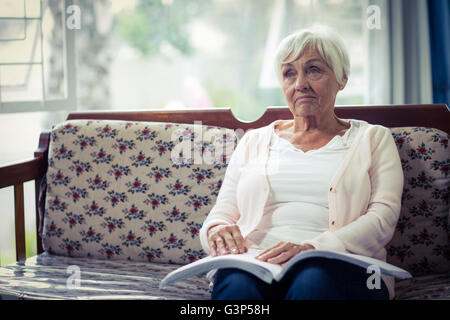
(435, 116)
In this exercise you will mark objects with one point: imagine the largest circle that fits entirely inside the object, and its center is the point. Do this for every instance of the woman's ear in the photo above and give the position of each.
(343, 84)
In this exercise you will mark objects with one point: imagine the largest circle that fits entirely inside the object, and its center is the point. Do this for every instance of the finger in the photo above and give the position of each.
(212, 237)
(282, 257)
(307, 246)
(262, 253)
(212, 248)
(271, 252)
(230, 244)
(278, 249)
(239, 240)
(228, 234)
(266, 251)
(290, 250)
(287, 251)
(220, 246)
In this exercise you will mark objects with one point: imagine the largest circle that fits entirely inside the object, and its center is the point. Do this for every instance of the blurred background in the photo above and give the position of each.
(57, 56)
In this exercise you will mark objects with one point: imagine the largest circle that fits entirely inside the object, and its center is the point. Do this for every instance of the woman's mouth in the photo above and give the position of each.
(306, 98)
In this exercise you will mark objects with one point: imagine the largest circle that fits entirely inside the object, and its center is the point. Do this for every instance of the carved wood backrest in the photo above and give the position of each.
(433, 115)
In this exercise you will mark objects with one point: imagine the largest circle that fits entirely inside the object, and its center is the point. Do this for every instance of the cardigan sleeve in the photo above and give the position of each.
(373, 230)
(225, 210)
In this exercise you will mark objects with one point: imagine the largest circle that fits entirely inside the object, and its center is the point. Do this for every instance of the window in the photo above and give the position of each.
(197, 53)
(161, 53)
(36, 56)
(346, 17)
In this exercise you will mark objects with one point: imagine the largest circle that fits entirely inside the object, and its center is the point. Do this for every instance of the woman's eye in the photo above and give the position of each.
(289, 74)
(313, 70)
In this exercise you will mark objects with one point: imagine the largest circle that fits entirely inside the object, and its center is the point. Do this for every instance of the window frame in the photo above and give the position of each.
(68, 103)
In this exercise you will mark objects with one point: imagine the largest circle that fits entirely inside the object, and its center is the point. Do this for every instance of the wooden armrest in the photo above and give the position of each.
(16, 174)
(23, 171)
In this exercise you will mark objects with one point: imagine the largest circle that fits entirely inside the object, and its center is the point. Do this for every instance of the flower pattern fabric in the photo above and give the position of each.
(140, 192)
(134, 191)
(421, 240)
(120, 190)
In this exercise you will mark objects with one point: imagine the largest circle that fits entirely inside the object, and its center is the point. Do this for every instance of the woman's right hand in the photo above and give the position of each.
(224, 239)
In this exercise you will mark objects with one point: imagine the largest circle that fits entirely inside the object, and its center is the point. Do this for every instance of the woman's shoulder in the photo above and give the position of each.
(259, 133)
(369, 131)
(281, 125)
(368, 126)
(375, 128)
(375, 133)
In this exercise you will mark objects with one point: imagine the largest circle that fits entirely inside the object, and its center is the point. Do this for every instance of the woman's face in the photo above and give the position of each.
(309, 85)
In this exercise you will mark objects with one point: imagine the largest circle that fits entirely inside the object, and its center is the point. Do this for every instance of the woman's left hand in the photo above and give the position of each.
(282, 252)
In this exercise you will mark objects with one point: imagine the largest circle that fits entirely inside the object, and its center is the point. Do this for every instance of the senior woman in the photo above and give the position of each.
(314, 182)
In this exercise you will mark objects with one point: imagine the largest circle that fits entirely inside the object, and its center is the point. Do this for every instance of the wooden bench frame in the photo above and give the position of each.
(15, 174)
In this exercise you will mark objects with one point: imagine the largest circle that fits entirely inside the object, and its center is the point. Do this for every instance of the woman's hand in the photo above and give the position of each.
(282, 252)
(225, 239)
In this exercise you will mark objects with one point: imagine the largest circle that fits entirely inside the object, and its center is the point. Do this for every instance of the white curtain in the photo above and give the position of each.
(398, 55)
(268, 78)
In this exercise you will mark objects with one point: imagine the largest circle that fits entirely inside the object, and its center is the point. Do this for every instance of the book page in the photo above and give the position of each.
(246, 261)
(359, 260)
(269, 271)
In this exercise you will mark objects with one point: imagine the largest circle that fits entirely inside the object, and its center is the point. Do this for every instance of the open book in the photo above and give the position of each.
(269, 271)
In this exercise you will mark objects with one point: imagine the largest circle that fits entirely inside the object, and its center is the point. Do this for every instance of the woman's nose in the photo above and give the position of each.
(301, 82)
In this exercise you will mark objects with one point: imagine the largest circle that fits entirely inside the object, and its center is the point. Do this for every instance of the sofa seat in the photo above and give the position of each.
(45, 276)
(435, 287)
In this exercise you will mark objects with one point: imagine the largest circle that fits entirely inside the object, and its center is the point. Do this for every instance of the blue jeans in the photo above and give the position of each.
(313, 279)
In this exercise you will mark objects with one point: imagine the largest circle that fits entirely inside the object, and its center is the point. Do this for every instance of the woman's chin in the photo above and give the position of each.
(304, 109)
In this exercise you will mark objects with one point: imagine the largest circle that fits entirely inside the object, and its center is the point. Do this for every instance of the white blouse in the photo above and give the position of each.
(297, 207)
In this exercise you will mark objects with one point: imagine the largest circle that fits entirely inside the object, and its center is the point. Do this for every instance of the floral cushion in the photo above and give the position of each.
(421, 240)
(132, 190)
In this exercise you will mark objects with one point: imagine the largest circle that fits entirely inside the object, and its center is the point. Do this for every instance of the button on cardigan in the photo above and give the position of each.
(364, 198)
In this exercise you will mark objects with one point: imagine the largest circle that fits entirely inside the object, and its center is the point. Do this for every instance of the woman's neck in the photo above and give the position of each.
(314, 124)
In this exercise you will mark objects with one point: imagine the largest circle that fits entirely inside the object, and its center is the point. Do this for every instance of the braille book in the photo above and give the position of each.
(269, 272)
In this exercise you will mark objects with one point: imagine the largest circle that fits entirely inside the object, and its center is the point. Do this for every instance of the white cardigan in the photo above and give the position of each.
(364, 195)
(297, 207)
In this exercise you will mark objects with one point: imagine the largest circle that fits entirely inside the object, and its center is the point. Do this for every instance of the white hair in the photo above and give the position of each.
(328, 44)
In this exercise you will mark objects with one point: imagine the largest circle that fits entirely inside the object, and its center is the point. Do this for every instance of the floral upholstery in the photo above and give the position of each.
(132, 190)
(421, 240)
(120, 190)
